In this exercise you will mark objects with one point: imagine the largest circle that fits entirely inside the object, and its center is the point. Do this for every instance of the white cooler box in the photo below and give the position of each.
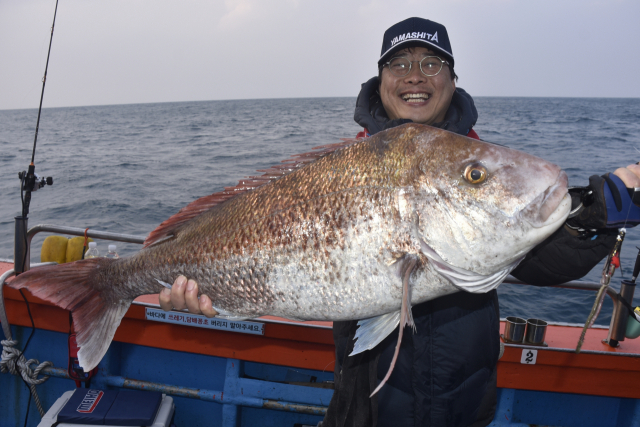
(89, 407)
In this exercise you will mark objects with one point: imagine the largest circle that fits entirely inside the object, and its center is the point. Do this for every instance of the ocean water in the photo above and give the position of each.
(126, 168)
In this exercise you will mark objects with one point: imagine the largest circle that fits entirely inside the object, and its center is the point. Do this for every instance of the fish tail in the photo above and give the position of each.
(82, 288)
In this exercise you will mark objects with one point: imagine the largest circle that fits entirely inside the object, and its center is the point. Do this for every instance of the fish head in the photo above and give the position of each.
(482, 206)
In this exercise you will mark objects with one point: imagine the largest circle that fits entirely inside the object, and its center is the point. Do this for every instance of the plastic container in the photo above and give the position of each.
(112, 252)
(633, 327)
(92, 252)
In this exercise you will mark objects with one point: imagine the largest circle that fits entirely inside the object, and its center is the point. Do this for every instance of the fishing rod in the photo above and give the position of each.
(30, 182)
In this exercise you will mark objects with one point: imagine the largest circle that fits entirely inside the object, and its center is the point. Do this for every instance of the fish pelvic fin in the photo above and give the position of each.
(406, 318)
(372, 331)
(79, 287)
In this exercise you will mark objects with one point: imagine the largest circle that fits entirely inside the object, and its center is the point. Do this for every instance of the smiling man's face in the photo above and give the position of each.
(415, 96)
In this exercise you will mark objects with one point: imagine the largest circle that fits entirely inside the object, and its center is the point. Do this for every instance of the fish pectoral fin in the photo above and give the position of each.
(165, 284)
(467, 280)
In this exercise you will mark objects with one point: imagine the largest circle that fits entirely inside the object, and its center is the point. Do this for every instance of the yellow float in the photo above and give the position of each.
(61, 249)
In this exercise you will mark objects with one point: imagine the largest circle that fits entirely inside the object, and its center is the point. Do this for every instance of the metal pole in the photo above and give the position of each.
(6, 327)
(214, 396)
(200, 394)
(75, 231)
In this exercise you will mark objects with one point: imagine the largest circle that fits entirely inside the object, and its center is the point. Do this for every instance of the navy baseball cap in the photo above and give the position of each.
(415, 32)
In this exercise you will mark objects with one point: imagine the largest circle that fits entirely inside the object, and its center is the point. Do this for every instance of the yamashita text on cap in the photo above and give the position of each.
(416, 32)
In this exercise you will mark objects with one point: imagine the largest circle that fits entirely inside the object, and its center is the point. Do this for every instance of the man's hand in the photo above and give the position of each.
(184, 294)
(611, 202)
(629, 175)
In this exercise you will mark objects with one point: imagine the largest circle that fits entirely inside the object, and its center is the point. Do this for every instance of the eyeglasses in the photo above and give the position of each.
(429, 66)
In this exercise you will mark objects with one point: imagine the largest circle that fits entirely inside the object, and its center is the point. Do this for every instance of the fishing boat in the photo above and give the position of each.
(278, 372)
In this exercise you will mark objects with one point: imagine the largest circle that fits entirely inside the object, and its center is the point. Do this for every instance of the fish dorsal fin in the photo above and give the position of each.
(203, 204)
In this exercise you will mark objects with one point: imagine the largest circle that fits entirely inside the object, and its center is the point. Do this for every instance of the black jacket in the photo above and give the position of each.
(446, 372)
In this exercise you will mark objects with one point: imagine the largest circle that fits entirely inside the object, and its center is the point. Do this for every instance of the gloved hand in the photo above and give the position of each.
(607, 203)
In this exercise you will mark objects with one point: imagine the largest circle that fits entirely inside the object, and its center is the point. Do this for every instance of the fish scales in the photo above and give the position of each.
(332, 240)
(302, 219)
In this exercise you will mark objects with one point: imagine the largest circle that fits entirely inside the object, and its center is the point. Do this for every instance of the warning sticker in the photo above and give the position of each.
(255, 328)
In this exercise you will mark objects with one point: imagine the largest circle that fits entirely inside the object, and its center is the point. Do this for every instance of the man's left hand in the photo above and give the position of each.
(184, 294)
(611, 202)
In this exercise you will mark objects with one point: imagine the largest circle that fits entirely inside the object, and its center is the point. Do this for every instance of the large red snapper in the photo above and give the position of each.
(413, 211)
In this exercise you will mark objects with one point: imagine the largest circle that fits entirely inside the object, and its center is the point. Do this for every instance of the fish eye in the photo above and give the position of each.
(475, 173)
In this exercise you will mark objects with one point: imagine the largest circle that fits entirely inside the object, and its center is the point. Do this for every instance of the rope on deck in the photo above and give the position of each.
(14, 362)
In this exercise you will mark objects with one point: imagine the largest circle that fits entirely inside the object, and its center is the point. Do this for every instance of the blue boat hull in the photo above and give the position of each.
(214, 391)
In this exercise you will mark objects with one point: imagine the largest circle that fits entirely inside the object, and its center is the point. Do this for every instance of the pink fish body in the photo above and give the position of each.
(412, 211)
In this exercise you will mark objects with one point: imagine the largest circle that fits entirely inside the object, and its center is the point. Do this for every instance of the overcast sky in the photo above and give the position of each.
(140, 51)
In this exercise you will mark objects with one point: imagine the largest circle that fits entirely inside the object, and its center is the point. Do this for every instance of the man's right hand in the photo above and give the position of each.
(184, 294)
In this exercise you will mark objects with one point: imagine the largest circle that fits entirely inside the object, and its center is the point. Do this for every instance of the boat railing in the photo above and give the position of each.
(22, 245)
(617, 326)
(75, 231)
(574, 284)
(619, 317)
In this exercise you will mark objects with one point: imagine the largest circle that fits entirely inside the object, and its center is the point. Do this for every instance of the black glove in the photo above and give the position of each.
(606, 203)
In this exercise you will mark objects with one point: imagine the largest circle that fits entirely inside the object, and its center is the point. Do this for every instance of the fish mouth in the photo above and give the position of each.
(551, 206)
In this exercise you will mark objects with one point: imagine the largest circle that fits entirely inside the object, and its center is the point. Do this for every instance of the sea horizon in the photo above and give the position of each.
(317, 97)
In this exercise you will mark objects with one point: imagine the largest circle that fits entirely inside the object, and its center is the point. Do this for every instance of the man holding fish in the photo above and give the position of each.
(415, 211)
(445, 374)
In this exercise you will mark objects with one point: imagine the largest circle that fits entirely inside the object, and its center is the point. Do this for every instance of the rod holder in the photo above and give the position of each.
(21, 251)
(620, 315)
